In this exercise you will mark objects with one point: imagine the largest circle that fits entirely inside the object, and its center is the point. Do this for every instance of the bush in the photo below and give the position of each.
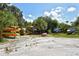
(2, 40)
(49, 31)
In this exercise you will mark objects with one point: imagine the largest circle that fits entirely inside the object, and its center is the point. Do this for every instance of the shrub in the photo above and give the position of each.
(49, 31)
(2, 40)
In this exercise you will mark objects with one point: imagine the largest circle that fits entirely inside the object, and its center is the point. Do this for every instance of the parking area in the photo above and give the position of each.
(41, 46)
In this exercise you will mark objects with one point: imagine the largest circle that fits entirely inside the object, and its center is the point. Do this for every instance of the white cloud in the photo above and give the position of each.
(46, 13)
(28, 19)
(10, 4)
(52, 9)
(59, 9)
(24, 17)
(74, 19)
(30, 15)
(55, 13)
(71, 9)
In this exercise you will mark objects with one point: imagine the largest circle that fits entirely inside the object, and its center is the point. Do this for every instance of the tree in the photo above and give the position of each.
(15, 11)
(28, 26)
(3, 6)
(18, 14)
(51, 23)
(63, 27)
(6, 19)
(76, 23)
(25, 23)
(40, 24)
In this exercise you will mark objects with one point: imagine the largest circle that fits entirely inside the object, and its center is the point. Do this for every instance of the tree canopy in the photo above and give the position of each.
(52, 23)
(63, 27)
(15, 11)
(7, 19)
(76, 23)
(9, 16)
(40, 24)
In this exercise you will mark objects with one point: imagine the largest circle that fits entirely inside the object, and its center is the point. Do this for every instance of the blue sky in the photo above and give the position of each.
(59, 11)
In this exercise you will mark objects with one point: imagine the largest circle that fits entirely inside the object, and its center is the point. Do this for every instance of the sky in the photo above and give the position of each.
(61, 11)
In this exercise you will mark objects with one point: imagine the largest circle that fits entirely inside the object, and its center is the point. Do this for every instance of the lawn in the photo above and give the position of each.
(63, 35)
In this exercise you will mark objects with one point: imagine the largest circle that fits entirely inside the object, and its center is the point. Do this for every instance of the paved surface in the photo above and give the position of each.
(41, 46)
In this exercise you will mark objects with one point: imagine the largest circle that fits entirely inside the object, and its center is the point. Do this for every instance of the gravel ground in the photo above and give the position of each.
(40, 46)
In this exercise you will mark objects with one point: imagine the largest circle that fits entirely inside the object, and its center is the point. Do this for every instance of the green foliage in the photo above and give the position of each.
(77, 29)
(40, 24)
(63, 35)
(49, 31)
(15, 11)
(28, 26)
(10, 16)
(18, 14)
(51, 23)
(2, 40)
(25, 23)
(76, 23)
(63, 27)
(7, 19)
(4, 6)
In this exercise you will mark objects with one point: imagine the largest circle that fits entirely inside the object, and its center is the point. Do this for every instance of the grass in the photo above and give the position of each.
(3, 40)
(64, 35)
